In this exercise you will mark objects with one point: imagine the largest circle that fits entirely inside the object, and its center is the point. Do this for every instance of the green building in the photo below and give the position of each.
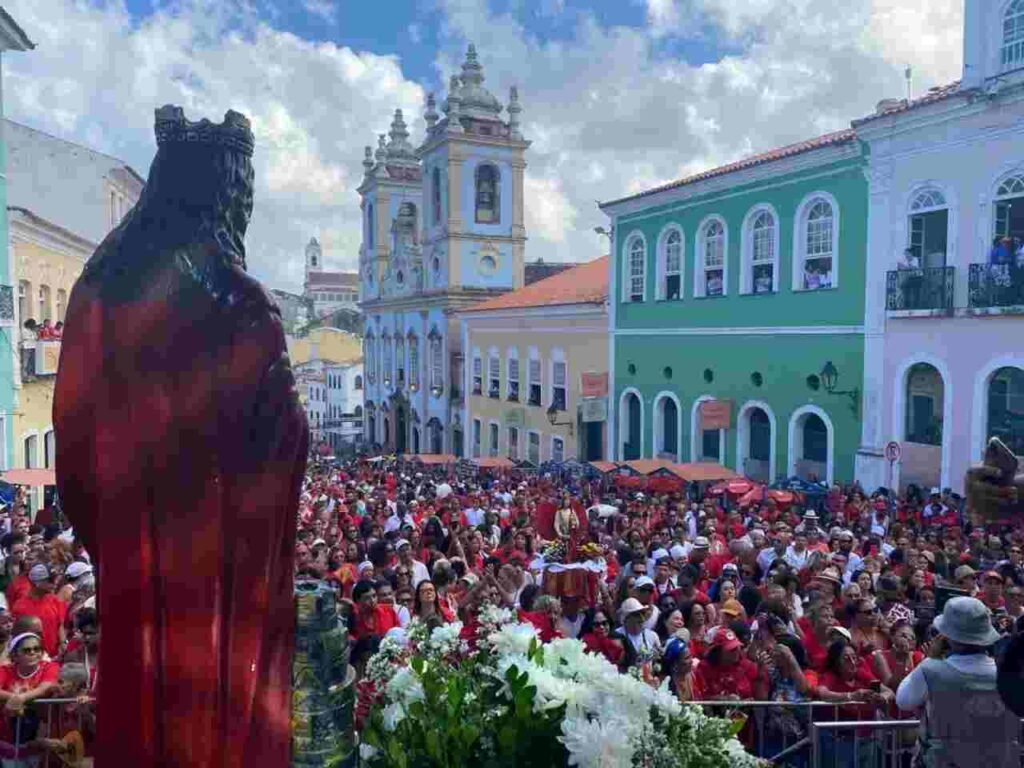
(12, 38)
(736, 314)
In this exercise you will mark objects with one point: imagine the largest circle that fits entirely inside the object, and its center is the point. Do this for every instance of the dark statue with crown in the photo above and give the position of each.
(181, 448)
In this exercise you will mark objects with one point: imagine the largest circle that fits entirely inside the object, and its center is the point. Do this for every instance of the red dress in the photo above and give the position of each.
(736, 680)
(181, 449)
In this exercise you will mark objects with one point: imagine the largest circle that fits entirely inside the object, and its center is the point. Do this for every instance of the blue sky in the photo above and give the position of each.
(618, 95)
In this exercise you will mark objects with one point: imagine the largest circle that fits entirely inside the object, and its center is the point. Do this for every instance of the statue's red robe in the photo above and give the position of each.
(181, 448)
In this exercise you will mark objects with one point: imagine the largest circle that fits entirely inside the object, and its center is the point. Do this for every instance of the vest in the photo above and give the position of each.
(965, 723)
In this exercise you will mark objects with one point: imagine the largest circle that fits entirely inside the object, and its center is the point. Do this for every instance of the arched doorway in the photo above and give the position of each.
(756, 443)
(435, 435)
(387, 433)
(921, 460)
(631, 421)
(811, 445)
(1005, 412)
(415, 440)
(400, 429)
(666, 428)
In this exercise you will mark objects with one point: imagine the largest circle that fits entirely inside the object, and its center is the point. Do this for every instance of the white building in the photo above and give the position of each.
(344, 403)
(328, 291)
(944, 357)
(443, 229)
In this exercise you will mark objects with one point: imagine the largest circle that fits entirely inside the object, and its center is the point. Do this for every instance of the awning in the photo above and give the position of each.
(494, 462)
(703, 472)
(433, 458)
(29, 477)
(604, 467)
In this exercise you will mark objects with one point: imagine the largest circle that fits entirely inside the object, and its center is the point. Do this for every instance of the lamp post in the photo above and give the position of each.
(830, 379)
(552, 414)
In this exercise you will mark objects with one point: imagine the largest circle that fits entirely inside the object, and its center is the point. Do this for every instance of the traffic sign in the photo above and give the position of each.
(893, 451)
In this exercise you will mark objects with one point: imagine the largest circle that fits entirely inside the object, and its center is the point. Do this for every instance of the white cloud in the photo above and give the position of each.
(609, 112)
(326, 10)
(96, 79)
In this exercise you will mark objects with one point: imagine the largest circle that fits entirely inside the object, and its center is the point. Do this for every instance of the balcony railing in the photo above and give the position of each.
(907, 289)
(995, 285)
(39, 358)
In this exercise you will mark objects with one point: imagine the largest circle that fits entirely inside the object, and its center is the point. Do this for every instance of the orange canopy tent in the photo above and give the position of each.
(494, 462)
(433, 459)
(29, 477)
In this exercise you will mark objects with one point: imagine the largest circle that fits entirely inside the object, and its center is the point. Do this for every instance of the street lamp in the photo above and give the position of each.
(830, 378)
(552, 413)
(606, 232)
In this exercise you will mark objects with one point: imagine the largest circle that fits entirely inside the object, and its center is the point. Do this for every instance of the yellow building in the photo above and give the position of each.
(537, 369)
(329, 344)
(47, 259)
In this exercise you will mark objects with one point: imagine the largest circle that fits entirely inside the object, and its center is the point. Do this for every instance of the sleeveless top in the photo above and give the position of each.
(965, 723)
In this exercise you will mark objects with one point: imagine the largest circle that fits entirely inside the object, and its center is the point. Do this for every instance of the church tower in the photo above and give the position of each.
(473, 164)
(314, 258)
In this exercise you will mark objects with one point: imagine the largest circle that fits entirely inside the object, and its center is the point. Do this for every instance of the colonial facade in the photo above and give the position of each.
(944, 313)
(737, 305)
(63, 199)
(12, 38)
(327, 291)
(529, 353)
(442, 229)
(329, 376)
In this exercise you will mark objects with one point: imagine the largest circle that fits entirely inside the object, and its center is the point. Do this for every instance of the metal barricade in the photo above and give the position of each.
(863, 743)
(779, 731)
(28, 752)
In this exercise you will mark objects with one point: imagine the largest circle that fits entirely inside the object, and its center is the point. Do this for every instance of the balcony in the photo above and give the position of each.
(39, 358)
(991, 285)
(920, 289)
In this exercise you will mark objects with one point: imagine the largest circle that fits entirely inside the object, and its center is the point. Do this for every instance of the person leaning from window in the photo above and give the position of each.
(963, 722)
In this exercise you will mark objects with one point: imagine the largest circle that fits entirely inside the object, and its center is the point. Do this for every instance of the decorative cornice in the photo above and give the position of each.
(28, 228)
(793, 330)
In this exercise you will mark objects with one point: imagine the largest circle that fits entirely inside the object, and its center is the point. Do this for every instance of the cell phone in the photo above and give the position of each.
(1002, 458)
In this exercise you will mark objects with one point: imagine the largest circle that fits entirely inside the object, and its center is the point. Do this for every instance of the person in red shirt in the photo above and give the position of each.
(992, 591)
(371, 619)
(47, 607)
(727, 674)
(26, 678)
(595, 635)
(846, 680)
(18, 584)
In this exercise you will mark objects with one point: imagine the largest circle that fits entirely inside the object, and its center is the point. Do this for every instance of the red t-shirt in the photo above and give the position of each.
(861, 682)
(736, 680)
(50, 610)
(17, 589)
(376, 624)
(12, 682)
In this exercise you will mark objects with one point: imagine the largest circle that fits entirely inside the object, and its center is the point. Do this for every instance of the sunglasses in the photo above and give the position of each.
(601, 623)
(31, 649)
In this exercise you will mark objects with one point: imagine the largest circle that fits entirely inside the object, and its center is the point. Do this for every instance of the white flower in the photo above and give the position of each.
(393, 715)
(405, 688)
(597, 743)
(513, 639)
(367, 751)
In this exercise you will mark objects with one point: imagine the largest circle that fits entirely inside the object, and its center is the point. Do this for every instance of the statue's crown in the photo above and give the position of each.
(235, 132)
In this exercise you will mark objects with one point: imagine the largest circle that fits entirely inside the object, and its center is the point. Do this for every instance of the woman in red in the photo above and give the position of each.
(25, 679)
(902, 658)
(815, 629)
(850, 683)
(427, 607)
(727, 675)
(595, 637)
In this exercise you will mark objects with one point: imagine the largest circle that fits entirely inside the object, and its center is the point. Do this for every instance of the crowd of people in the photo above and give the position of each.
(831, 599)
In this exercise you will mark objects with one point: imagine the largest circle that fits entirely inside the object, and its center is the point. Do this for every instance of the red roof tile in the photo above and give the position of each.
(333, 278)
(585, 284)
(902, 105)
(828, 140)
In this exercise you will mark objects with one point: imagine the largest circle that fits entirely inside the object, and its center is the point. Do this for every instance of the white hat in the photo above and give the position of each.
(657, 554)
(935, 492)
(842, 631)
(39, 574)
(677, 551)
(401, 543)
(967, 620)
(630, 606)
(701, 542)
(443, 491)
(77, 569)
(644, 582)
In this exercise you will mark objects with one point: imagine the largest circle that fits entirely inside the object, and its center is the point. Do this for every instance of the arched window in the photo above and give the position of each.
(62, 304)
(512, 375)
(371, 357)
(636, 264)
(631, 425)
(359, 382)
(1013, 36)
(24, 301)
(760, 252)
(358, 412)
(436, 365)
(671, 266)
(816, 245)
(435, 194)
(1006, 408)
(388, 361)
(711, 259)
(369, 226)
(487, 202)
(925, 400)
(815, 434)
(1009, 208)
(667, 428)
(927, 229)
(400, 360)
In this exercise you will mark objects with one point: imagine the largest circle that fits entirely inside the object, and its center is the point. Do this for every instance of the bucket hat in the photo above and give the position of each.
(966, 620)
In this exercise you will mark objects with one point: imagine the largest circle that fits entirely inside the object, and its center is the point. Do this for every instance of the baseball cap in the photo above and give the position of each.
(732, 608)
(39, 574)
(77, 569)
(401, 543)
(644, 582)
(730, 568)
(992, 575)
(960, 573)
(842, 631)
(727, 640)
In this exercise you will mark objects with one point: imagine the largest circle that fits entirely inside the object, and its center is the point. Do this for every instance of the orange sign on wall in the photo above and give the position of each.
(593, 384)
(716, 414)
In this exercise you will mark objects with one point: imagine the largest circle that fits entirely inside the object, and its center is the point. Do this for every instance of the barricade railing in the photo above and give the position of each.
(778, 731)
(26, 745)
(863, 743)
